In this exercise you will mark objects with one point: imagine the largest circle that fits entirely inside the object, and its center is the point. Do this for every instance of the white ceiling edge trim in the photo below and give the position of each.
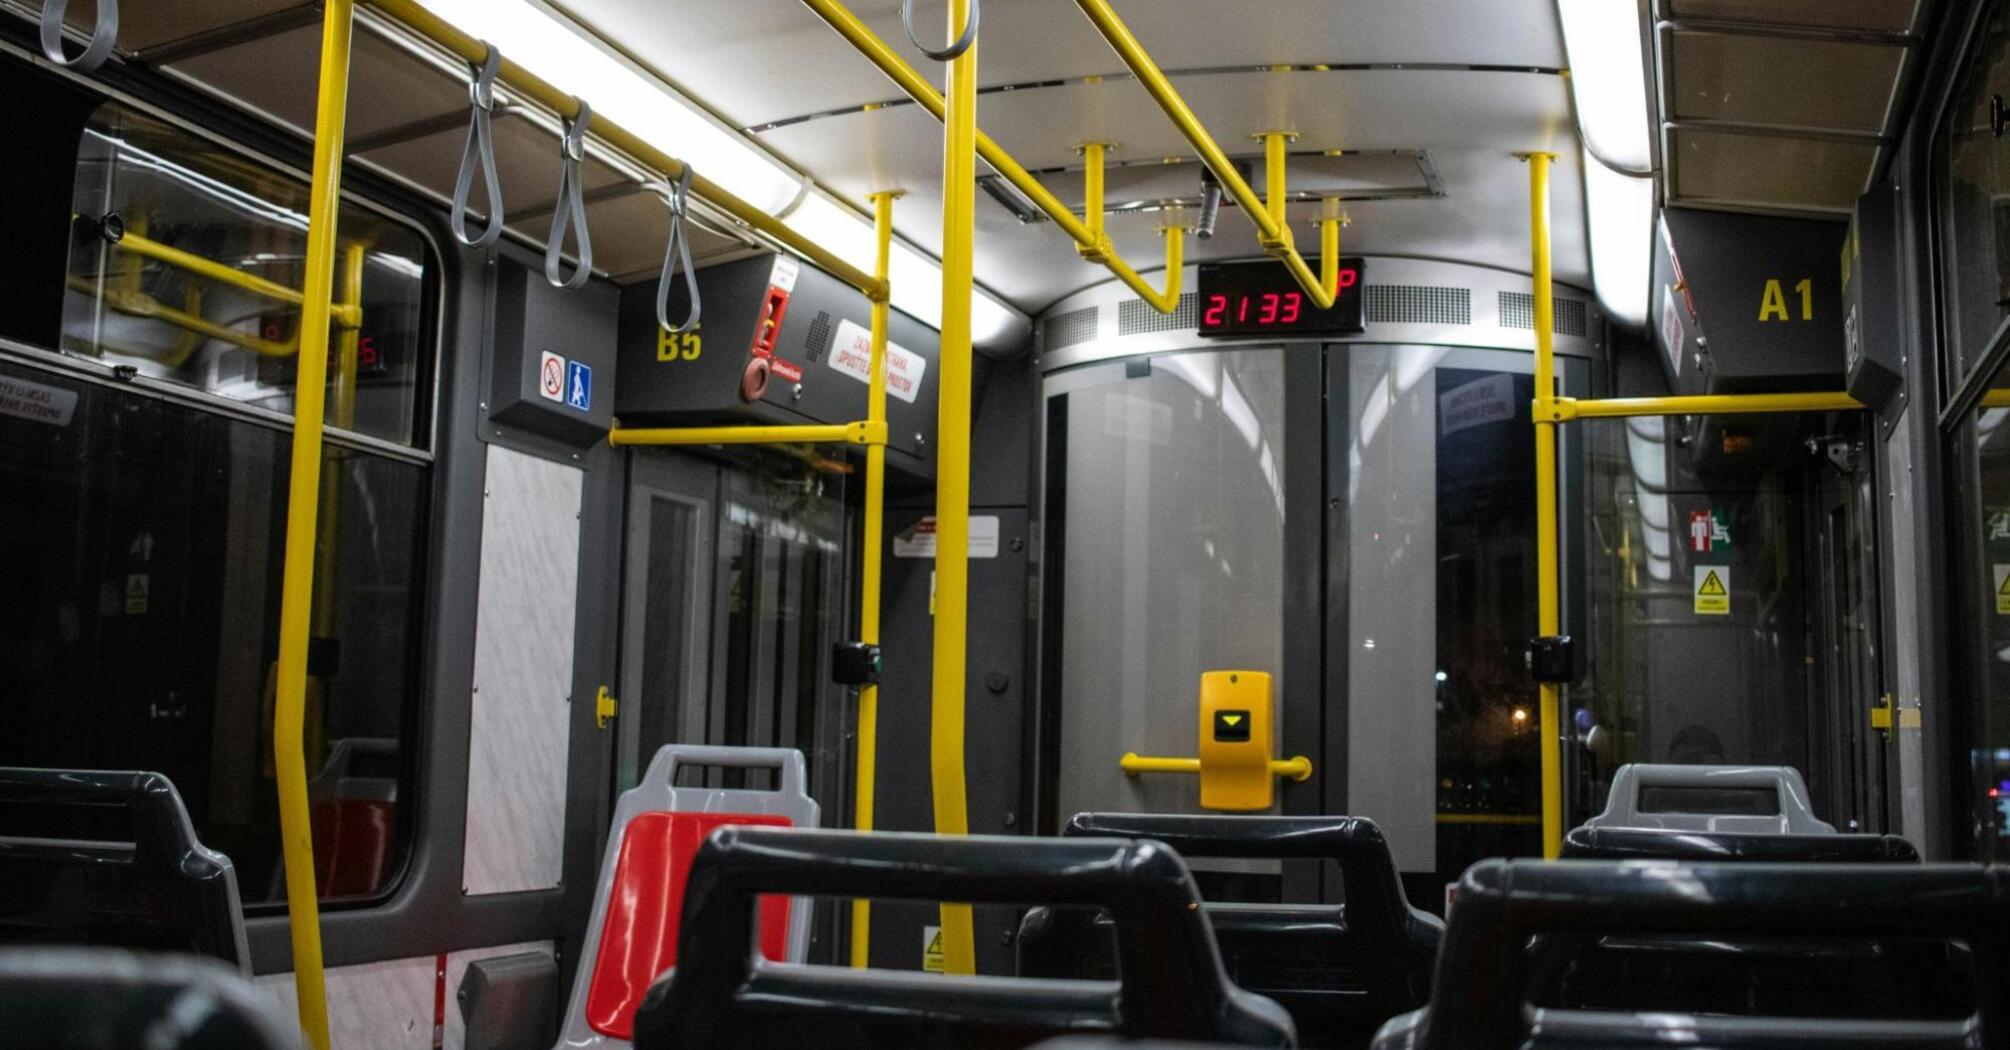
(581, 62)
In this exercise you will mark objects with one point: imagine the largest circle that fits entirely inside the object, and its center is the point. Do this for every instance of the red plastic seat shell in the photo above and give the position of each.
(638, 940)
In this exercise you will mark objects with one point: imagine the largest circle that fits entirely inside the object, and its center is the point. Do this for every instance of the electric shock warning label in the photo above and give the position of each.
(852, 355)
(1713, 590)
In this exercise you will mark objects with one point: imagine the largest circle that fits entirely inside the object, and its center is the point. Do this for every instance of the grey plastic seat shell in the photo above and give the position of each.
(1795, 817)
(657, 792)
(111, 999)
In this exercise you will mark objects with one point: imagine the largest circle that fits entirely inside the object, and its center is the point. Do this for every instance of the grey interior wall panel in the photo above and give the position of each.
(523, 673)
(374, 1006)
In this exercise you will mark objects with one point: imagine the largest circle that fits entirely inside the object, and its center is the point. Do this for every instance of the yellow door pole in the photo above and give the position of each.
(952, 482)
(296, 608)
(1548, 584)
(868, 598)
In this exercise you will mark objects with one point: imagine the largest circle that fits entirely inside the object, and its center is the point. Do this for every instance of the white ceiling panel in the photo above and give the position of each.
(756, 61)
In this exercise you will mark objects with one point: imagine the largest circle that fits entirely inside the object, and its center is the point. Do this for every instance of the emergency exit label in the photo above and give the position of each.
(2002, 586)
(1713, 590)
(852, 355)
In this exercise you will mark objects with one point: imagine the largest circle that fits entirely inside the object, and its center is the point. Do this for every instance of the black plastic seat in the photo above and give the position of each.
(110, 859)
(1341, 969)
(110, 999)
(1489, 994)
(1172, 984)
(1589, 843)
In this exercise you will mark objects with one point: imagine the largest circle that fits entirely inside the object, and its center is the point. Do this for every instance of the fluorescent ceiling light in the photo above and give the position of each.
(1620, 211)
(576, 63)
(1608, 79)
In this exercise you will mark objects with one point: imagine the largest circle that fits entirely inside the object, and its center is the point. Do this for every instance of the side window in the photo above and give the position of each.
(141, 534)
(1974, 184)
(185, 265)
(1982, 447)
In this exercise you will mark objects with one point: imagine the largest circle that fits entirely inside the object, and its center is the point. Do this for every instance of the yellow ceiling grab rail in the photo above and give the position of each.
(1094, 245)
(529, 85)
(1271, 229)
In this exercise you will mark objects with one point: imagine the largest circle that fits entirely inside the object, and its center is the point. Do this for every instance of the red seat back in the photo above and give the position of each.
(645, 904)
(353, 841)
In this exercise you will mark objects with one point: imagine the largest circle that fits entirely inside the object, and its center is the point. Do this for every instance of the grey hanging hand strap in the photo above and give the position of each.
(481, 149)
(571, 211)
(103, 35)
(955, 50)
(677, 253)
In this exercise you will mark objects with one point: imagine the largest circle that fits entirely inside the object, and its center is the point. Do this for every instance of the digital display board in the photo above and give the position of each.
(1260, 298)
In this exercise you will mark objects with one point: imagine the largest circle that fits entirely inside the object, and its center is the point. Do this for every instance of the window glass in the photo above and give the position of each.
(1974, 158)
(1985, 436)
(182, 256)
(140, 549)
(1729, 607)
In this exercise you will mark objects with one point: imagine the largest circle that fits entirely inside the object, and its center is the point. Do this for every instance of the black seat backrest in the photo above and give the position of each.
(1341, 970)
(1171, 985)
(1589, 843)
(1481, 998)
(112, 999)
(151, 885)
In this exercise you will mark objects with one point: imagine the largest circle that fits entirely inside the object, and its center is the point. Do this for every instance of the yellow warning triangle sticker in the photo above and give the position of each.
(935, 945)
(2003, 591)
(1711, 585)
(1231, 719)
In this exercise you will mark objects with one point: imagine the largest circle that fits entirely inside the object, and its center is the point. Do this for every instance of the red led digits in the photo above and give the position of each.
(1217, 305)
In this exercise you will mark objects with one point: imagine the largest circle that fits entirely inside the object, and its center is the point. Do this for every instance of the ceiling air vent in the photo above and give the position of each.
(1064, 330)
(1134, 317)
(1518, 311)
(1417, 304)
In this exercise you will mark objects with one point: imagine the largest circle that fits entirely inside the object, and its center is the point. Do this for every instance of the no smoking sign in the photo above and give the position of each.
(551, 377)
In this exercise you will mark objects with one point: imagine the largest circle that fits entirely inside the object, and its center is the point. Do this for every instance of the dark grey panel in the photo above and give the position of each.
(547, 336)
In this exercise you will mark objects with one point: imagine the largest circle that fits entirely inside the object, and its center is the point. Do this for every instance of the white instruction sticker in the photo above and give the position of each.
(43, 404)
(919, 541)
(852, 355)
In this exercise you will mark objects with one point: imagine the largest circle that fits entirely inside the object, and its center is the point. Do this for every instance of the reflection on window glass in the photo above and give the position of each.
(1975, 181)
(182, 260)
(1987, 432)
(140, 544)
(1173, 560)
(1726, 603)
(780, 577)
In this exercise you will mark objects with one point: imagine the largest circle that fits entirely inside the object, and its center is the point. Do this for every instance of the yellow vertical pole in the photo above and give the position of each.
(952, 481)
(868, 601)
(1549, 585)
(1274, 171)
(296, 607)
(1092, 190)
(1329, 255)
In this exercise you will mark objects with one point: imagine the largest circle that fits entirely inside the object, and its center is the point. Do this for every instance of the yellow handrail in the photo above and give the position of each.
(531, 86)
(868, 432)
(1271, 230)
(346, 315)
(868, 43)
(1548, 587)
(952, 482)
(1297, 767)
(296, 608)
(1564, 409)
(1097, 249)
(871, 536)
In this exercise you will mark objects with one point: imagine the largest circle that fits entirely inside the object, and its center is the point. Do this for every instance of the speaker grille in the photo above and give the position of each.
(1518, 311)
(1075, 326)
(1417, 304)
(1136, 317)
(818, 339)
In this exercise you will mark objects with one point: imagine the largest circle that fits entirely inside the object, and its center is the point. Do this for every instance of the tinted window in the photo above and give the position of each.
(182, 256)
(1974, 159)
